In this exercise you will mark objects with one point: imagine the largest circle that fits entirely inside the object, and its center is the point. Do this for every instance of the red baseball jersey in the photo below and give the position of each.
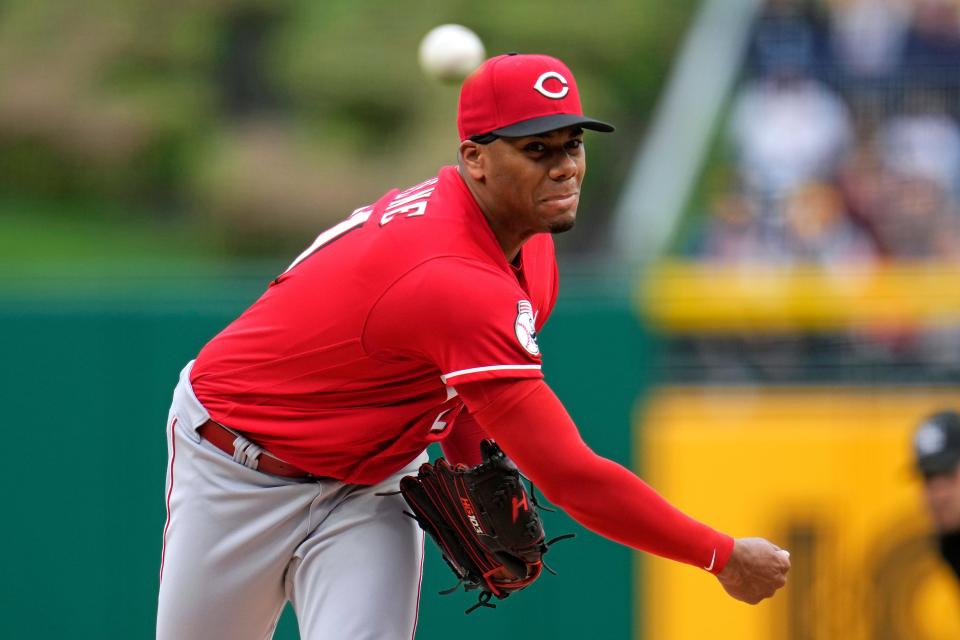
(348, 363)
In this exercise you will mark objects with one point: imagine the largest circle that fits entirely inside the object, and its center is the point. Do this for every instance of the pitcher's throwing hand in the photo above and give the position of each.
(756, 569)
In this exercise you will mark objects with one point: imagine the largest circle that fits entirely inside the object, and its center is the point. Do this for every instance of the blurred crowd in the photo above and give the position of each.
(844, 136)
(844, 149)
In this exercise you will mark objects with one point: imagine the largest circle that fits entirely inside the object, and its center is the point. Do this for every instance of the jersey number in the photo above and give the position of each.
(412, 202)
(356, 219)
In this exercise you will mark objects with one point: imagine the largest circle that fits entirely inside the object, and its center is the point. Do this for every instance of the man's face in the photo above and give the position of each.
(533, 182)
(942, 493)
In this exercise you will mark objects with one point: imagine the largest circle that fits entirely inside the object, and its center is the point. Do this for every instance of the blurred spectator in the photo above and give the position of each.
(910, 218)
(936, 448)
(818, 231)
(787, 33)
(788, 128)
(864, 183)
(731, 231)
(847, 151)
(868, 36)
(919, 221)
(813, 229)
(923, 142)
(932, 49)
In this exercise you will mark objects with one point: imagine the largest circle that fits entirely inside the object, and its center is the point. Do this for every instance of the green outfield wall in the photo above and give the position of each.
(89, 366)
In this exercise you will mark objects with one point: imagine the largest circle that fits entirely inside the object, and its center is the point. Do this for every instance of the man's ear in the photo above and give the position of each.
(474, 159)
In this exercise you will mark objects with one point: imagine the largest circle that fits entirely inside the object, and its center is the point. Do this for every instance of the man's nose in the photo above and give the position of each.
(564, 168)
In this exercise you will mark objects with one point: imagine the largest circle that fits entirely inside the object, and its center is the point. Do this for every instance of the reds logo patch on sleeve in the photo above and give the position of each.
(525, 327)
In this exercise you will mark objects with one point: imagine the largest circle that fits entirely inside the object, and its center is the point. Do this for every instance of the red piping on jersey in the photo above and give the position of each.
(173, 456)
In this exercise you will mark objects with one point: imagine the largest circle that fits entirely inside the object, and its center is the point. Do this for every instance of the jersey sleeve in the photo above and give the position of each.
(532, 427)
(470, 320)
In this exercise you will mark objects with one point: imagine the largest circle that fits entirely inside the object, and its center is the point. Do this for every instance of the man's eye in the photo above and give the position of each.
(575, 144)
(535, 147)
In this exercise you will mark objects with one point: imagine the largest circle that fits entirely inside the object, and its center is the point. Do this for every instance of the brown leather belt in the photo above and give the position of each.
(223, 438)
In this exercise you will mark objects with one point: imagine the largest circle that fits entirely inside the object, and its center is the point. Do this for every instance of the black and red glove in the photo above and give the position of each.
(484, 521)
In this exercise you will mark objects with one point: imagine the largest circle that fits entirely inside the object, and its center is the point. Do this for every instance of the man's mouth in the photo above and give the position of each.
(566, 199)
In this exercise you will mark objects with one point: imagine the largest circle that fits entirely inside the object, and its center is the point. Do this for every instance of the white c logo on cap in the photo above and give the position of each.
(556, 95)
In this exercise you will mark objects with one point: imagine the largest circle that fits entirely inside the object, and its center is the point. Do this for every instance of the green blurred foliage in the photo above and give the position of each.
(260, 122)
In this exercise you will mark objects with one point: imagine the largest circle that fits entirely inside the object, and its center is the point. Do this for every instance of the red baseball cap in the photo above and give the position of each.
(516, 95)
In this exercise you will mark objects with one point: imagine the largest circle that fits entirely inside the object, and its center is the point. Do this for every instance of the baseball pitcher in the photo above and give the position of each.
(297, 436)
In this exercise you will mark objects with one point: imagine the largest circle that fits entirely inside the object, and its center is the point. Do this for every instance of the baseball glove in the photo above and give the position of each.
(483, 520)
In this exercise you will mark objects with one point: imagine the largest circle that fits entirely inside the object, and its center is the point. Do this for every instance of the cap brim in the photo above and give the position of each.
(938, 463)
(543, 124)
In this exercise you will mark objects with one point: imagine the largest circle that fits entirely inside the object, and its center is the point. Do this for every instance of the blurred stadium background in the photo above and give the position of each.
(761, 299)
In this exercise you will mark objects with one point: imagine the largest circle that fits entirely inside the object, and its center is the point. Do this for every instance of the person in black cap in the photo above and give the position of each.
(936, 446)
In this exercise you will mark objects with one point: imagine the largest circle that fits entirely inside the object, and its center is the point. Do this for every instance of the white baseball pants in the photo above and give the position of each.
(239, 543)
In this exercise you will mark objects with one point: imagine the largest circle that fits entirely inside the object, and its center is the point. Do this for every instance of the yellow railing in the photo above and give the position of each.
(697, 297)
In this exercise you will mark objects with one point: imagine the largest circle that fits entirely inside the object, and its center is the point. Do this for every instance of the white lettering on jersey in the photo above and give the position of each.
(356, 219)
(412, 210)
(403, 199)
(412, 204)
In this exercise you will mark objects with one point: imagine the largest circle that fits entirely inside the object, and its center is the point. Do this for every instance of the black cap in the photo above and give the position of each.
(936, 443)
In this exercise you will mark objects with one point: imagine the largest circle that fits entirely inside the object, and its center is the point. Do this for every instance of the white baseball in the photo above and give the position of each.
(450, 52)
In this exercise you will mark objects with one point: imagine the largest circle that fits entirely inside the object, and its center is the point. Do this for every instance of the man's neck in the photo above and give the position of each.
(509, 240)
